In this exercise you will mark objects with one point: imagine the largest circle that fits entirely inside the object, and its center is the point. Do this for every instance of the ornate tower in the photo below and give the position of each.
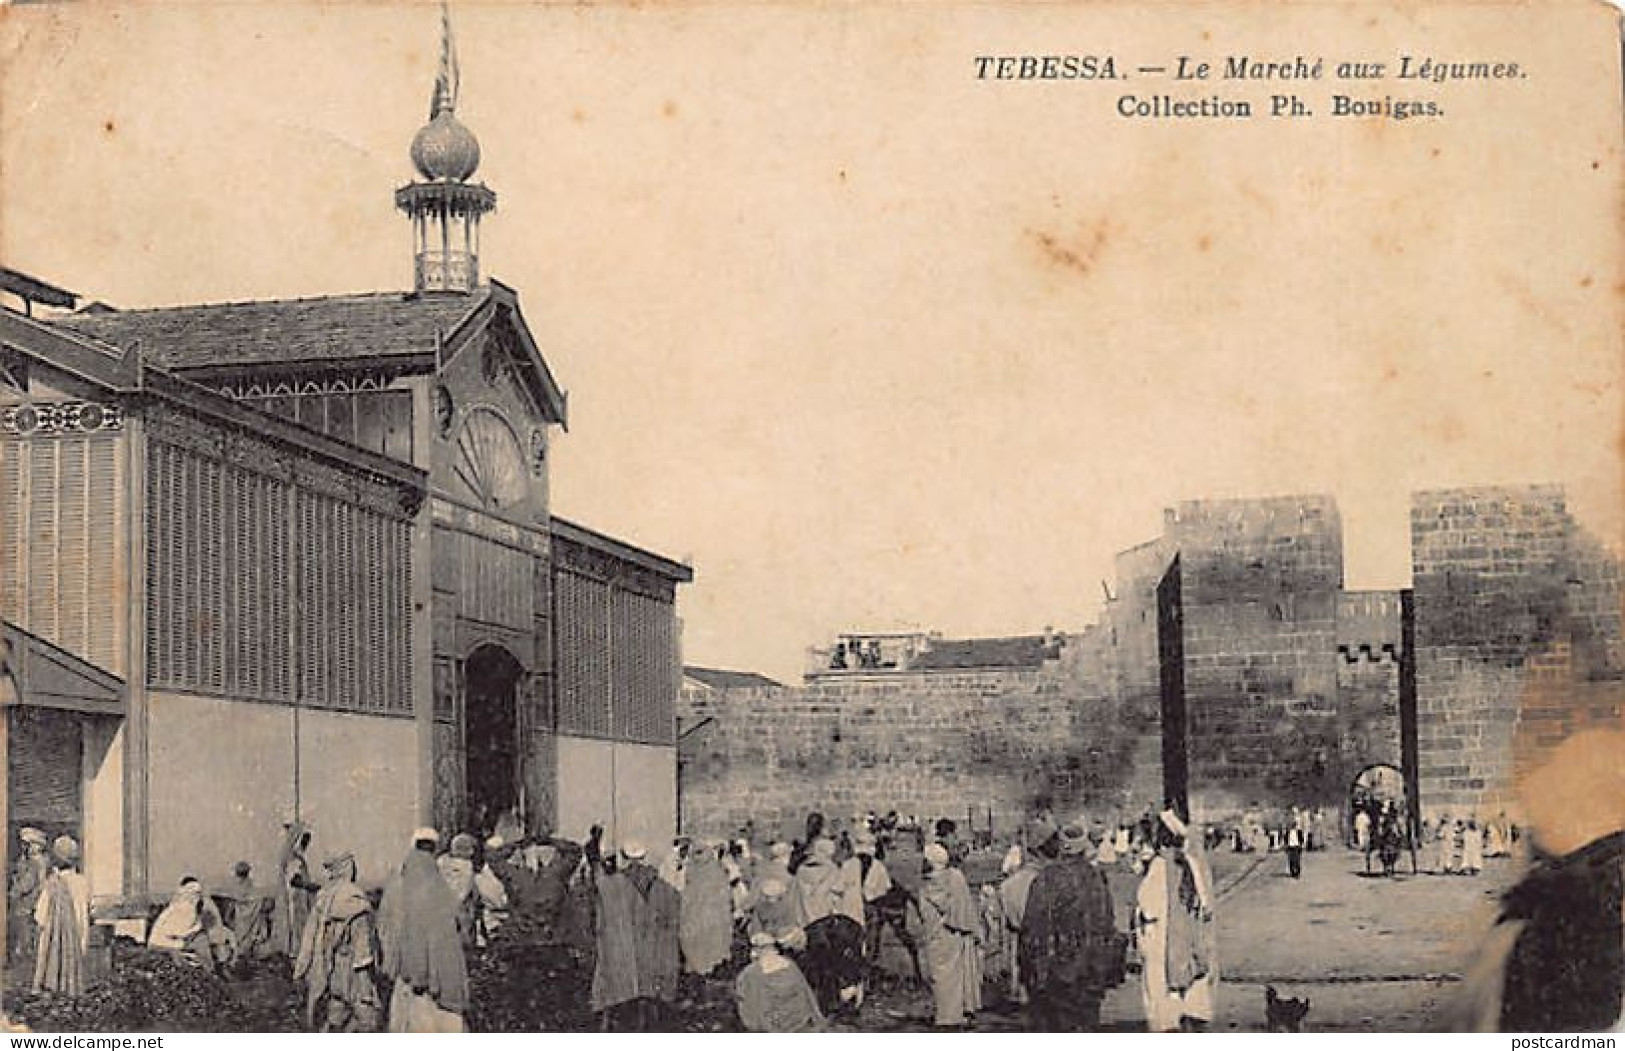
(445, 208)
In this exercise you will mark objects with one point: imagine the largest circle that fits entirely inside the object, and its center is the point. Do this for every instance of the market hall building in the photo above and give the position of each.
(297, 558)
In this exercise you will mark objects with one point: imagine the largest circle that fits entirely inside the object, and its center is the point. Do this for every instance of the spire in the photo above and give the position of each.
(445, 208)
(448, 81)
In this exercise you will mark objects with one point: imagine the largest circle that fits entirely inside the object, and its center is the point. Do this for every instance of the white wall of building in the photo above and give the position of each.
(103, 741)
(221, 782)
(358, 784)
(630, 789)
(219, 786)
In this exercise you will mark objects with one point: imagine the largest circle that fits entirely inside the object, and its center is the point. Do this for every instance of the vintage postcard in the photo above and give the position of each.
(728, 516)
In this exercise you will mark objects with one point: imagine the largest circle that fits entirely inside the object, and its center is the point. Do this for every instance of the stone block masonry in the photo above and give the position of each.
(1517, 638)
(1261, 581)
(926, 745)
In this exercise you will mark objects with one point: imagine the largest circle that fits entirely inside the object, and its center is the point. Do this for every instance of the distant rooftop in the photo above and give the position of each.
(857, 653)
(722, 679)
(1014, 651)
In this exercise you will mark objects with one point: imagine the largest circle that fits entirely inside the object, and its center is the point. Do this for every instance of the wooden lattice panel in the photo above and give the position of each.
(264, 589)
(61, 544)
(583, 655)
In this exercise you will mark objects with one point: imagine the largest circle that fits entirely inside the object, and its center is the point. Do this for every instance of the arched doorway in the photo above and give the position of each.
(490, 737)
(1372, 787)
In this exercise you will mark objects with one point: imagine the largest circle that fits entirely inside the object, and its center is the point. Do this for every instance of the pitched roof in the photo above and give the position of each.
(34, 290)
(720, 679)
(86, 360)
(1017, 651)
(564, 529)
(47, 676)
(324, 328)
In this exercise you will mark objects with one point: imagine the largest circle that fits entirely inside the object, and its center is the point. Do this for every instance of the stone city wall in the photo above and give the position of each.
(1517, 637)
(930, 745)
(1292, 684)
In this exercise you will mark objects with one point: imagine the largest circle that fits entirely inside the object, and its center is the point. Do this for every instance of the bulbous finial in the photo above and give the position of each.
(445, 149)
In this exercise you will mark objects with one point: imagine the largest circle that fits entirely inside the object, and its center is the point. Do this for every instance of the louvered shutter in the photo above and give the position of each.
(583, 655)
(13, 523)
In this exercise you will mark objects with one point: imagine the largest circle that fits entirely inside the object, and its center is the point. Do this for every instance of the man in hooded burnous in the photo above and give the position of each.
(191, 927)
(772, 995)
(953, 929)
(457, 868)
(419, 947)
(1070, 952)
(250, 913)
(338, 954)
(707, 912)
(62, 914)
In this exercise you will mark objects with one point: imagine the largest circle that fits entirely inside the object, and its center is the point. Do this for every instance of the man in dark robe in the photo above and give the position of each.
(28, 874)
(247, 912)
(801, 848)
(419, 945)
(537, 876)
(638, 924)
(1070, 951)
(1390, 837)
(337, 955)
(947, 831)
(1555, 960)
(771, 994)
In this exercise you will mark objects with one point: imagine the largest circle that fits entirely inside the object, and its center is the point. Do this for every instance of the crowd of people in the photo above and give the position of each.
(1044, 932)
(1443, 845)
(797, 926)
(366, 960)
(1457, 846)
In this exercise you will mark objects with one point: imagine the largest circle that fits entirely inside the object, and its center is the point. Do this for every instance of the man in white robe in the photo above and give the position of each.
(1174, 925)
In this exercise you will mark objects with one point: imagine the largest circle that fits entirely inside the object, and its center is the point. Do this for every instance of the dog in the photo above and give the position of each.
(1284, 1016)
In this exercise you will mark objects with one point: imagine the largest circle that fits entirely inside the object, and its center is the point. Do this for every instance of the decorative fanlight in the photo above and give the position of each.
(489, 461)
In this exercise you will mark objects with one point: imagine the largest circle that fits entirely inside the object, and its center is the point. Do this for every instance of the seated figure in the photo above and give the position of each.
(191, 927)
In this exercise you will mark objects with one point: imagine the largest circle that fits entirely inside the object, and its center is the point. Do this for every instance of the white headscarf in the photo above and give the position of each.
(181, 919)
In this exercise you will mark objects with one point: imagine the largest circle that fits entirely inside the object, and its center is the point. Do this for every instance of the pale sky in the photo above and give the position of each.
(873, 343)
